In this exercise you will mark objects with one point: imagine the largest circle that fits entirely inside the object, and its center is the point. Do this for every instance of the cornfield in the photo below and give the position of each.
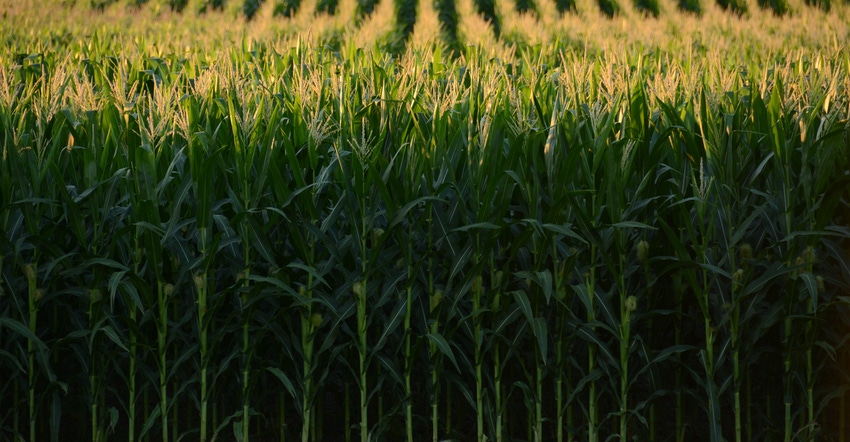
(337, 220)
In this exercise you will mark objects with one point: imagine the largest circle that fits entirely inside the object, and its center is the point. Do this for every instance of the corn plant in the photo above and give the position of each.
(536, 241)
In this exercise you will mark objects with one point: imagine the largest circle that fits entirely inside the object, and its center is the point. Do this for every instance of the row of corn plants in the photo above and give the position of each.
(496, 27)
(338, 245)
(406, 9)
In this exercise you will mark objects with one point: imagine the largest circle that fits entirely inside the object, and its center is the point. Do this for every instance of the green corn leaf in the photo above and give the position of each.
(152, 420)
(812, 289)
(23, 330)
(392, 323)
(592, 337)
(56, 416)
(13, 360)
(443, 346)
(284, 379)
(663, 356)
(525, 306)
(564, 230)
(633, 225)
(540, 332)
(110, 333)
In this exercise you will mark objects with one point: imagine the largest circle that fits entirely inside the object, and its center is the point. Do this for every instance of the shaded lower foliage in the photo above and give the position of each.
(405, 17)
(692, 6)
(285, 8)
(364, 9)
(447, 15)
(487, 9)
(609, 7)
(100, 4)
(826, 5)
(565, 6)
(738, 7)
(178, 5)
(250, 8)
(215, 5)
(779, 7)
(648, 7)
(327, 6)
(525, 6)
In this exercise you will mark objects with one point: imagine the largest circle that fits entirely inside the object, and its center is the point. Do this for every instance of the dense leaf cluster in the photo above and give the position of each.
(324, 244)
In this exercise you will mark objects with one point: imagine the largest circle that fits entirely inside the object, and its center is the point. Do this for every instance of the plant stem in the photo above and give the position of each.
(562, 369)
(246, 320)
(362, 322)
(32, 291)
(202, 290)
(786, 162)
(736, 357)
(175, 406)
(788, 376)
(591, 351)
(810, 398)
(435, 408)
(435, 326)
(677, 336)
(307, 331)
(738, 429)
(709, 352)
(162, 337)
(131, 406)
(559, 403)
(713, 418)
(625, 335)
(93, 381)
(408, 392)
(477, 288)
(497, 379)
(362, 385)
(204, 363)
(538, 405)
(624, 373)
(246, 425)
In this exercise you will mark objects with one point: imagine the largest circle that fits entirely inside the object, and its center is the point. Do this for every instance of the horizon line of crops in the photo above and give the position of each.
(334, 245)
(609, 8)
(671, 32)
(405, 11)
